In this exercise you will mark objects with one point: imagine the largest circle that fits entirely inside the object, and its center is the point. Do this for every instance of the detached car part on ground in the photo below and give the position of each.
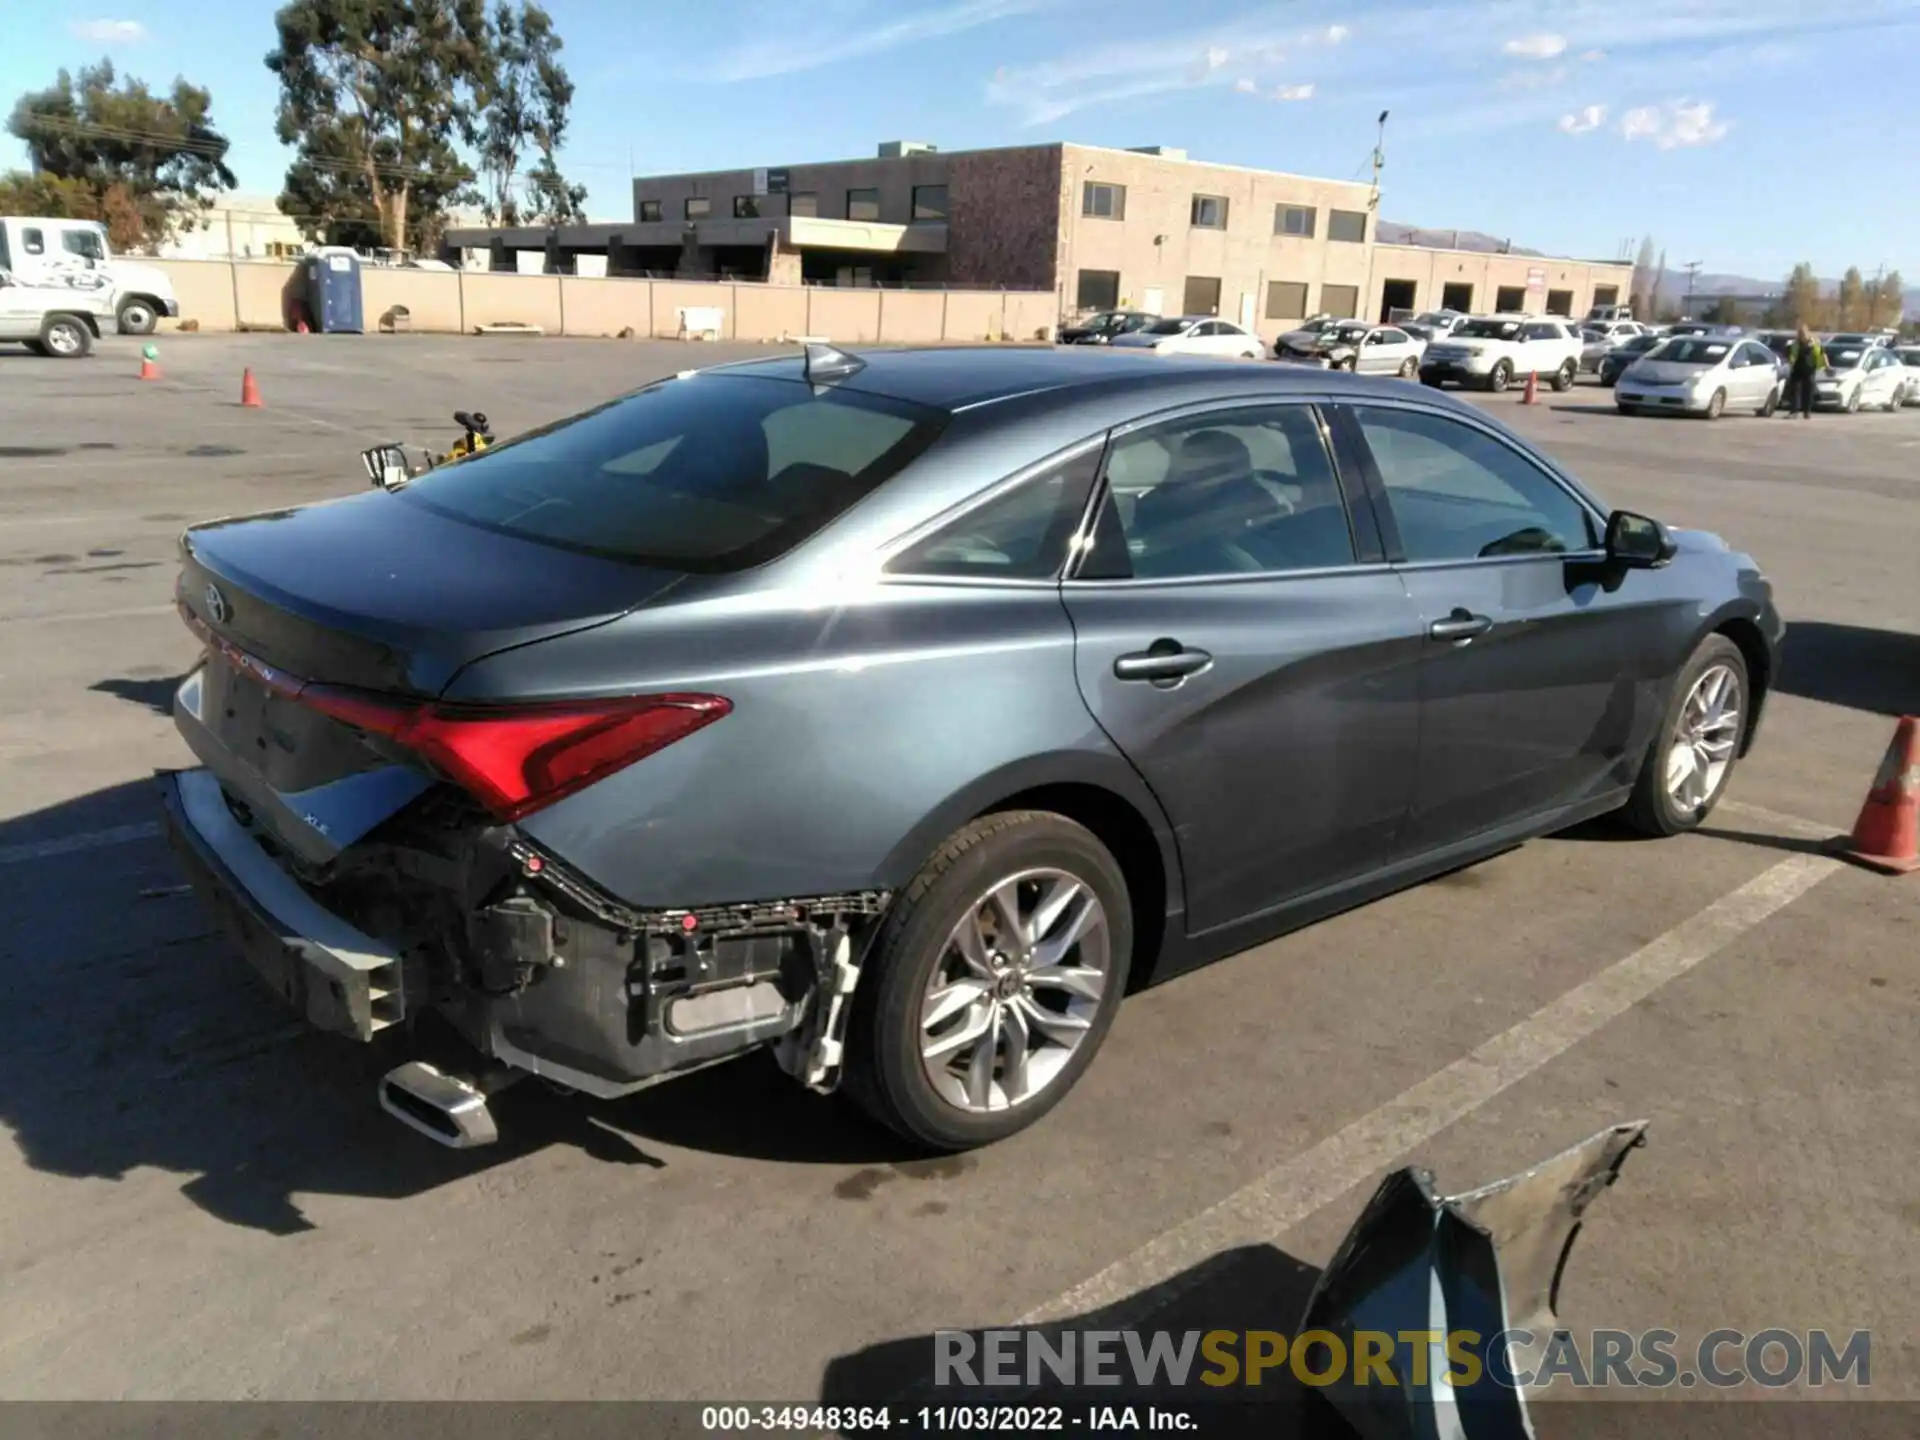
(898, 713)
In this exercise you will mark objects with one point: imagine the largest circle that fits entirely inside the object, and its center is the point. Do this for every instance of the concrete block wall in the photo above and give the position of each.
(226, 295)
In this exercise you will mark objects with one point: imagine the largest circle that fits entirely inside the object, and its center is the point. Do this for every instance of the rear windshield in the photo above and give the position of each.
(709, 473)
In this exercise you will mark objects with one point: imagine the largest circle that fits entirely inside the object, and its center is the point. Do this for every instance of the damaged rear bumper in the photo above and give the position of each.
(536, 968)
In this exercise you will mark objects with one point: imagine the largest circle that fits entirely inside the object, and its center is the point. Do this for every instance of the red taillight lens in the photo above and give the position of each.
(514, 761)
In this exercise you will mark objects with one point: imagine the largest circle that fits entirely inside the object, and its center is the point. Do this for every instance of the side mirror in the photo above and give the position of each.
(1638, 542)
(386, 466)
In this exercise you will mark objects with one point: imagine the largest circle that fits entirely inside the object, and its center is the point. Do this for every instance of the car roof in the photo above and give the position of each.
(960, 377)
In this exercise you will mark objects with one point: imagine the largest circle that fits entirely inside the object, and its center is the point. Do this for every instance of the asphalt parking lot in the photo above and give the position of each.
(202, 1201)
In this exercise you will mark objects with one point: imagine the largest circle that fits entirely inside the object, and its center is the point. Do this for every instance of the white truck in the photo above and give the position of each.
(42, 251)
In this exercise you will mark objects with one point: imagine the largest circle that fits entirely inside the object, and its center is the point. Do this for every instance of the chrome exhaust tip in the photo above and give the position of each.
(441, 1107)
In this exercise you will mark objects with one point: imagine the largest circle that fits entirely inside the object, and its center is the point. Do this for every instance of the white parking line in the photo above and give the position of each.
(1263, 1211)
(86, 840)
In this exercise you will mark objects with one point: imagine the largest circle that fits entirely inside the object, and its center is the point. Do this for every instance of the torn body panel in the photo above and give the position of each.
(1488, 1262)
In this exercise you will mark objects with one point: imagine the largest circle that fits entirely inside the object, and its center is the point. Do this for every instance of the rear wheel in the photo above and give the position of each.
(1501, 377)
(1687, 768)
(992, 983)
(1563, 377)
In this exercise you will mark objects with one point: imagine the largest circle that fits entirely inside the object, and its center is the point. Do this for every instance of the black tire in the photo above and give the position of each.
(1651, 810)
(66, 337)
(1716, 405)
(1563, 377)
(884, 1072)
(137, 315)
(1501, 377)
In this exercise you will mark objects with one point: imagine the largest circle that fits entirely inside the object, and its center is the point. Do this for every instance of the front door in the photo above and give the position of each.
(1528, 693)
(1242, 643)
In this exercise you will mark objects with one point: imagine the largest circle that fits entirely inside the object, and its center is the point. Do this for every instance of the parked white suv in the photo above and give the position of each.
(1493, 351)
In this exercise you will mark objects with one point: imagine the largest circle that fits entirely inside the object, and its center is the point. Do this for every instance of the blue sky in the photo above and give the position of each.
(1746, 134)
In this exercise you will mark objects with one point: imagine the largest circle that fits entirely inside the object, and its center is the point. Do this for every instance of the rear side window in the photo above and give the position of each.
(711, 473)
(1020, 535)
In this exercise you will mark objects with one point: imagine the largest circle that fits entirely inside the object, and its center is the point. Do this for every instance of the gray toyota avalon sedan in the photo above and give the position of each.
(899, 712)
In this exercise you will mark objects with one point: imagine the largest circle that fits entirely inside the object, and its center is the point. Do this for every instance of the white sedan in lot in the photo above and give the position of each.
(1194, 335)
(1860, 378)
(1701, 375)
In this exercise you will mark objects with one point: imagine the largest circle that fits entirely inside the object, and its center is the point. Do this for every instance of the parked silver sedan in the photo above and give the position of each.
(1701, 375)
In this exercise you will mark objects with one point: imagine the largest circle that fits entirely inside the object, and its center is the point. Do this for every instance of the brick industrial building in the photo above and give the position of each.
(1146, 228)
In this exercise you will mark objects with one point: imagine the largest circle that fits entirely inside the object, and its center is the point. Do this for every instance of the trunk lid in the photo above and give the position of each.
(372, 594)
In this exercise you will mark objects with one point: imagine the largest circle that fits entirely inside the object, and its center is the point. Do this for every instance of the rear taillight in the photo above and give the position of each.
(516, 759)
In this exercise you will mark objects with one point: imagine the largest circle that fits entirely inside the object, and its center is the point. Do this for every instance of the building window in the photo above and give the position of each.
(1203, 295)
(1294, 220)
(1347, 225)
(1286, 300)
(1098, 289)
(1209, 212)
(1340, 301)
(1510, 299)
(1606, 295)
(699, 207)
(746, 207)
(863, 204)
(649, 211)
(803, 203)
(1457, 296)
(1560, 302)
(1103, 202)
(930, 203)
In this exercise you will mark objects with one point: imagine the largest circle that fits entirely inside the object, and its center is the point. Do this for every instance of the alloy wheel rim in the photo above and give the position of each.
(1015, 991)
(1704, 739)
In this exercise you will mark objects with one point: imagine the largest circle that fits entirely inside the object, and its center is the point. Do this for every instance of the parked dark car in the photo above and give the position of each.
(1099, 329)
(1614, 363)
(900, 713)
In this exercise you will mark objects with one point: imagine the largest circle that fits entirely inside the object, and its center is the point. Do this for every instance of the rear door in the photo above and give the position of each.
(1527, 692)
(1242, 641)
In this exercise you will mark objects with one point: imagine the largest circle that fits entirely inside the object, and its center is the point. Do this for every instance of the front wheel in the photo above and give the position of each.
(992, 982)
(137, 316)
(1563, 377)
(1687, 767)
(1501, 377)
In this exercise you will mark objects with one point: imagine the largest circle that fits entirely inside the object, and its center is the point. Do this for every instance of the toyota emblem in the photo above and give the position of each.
(217, 605)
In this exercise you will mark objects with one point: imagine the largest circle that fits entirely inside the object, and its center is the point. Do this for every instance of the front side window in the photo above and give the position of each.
(698, 207)
(1459, 494)
(863, 204)
(1100, 201)
(1209, 212)
(711, 473)
(1020, 535)
(1245, 491)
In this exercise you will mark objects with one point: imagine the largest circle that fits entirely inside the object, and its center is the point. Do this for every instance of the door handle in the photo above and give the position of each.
(1460, 625)
(1161, 662)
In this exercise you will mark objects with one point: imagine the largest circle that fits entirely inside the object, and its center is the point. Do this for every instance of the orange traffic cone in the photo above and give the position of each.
(1887, 834)
(249, 391)
(1531, 395)
(149, 370)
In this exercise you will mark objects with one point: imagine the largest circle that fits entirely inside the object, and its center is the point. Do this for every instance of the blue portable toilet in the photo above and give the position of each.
(333, 291)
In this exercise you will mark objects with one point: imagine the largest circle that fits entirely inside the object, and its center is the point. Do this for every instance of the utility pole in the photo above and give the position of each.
(1692, 267)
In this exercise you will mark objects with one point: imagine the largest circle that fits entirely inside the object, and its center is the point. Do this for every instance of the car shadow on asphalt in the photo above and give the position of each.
(135, 1038)
(1247, 1288)
(1852, 665)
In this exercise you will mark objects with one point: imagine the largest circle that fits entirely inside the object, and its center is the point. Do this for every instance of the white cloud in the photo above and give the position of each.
(1537, 47)
(1591, 117)
(1247, 85)
(847, 31)
(1678, 125)
(108, 32)
(1294, 92)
